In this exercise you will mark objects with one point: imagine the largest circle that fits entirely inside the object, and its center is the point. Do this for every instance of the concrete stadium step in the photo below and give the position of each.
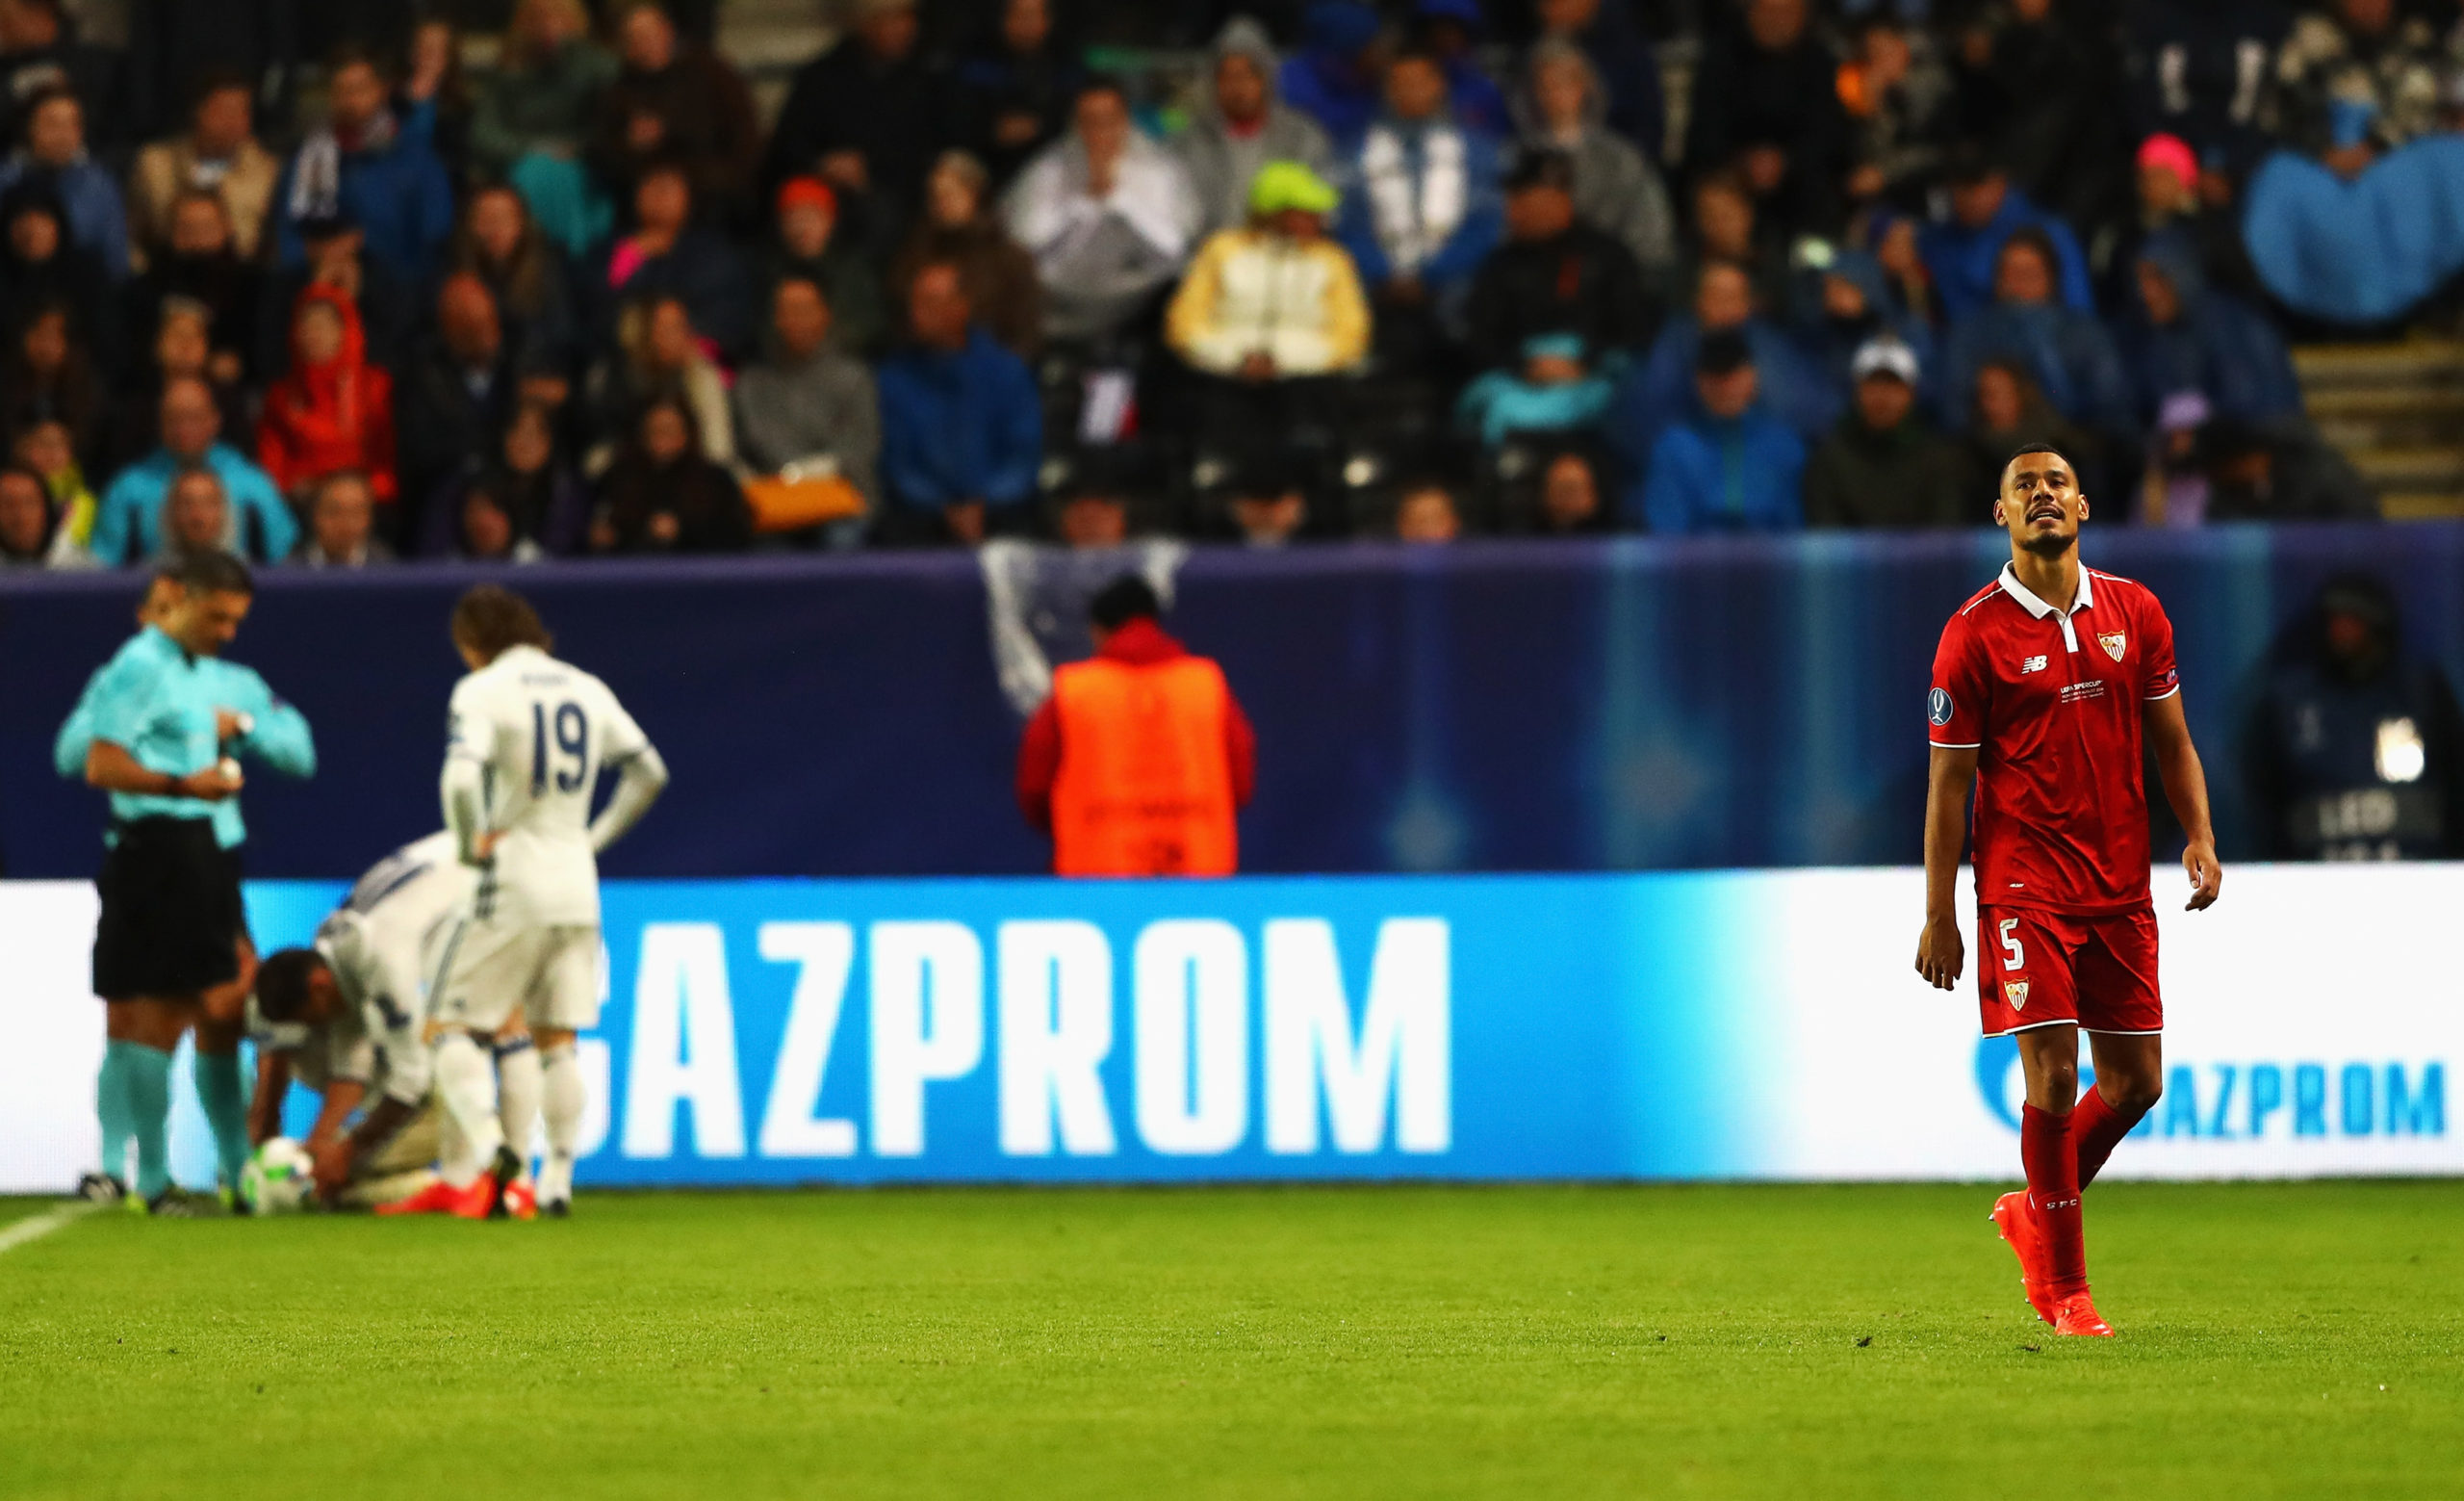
(2366, 417)
(2412, 470)
(2396, 410)
(2413, 363)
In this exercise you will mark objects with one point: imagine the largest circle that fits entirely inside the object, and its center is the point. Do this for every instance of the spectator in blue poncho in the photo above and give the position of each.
(1962, 252)
(1661, 389)
(2065, 351)
(1843, 306)
(1730, 465)
(2186, 336)
(1333, 78)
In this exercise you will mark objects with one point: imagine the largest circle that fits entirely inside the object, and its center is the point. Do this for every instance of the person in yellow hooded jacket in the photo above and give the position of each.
(1271, 311)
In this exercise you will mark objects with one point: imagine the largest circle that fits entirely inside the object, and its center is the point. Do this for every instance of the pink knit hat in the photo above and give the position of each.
(2171, 153)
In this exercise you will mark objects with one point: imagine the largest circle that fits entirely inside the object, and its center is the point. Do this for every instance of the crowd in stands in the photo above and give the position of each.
(516, 282)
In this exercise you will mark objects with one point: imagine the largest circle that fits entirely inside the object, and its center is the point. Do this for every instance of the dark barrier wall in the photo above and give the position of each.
(1525, 705)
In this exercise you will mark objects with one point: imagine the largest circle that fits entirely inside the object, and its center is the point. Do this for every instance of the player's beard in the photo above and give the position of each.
(2051, 544)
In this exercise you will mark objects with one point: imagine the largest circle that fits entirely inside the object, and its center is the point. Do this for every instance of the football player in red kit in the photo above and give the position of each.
(2045, 686)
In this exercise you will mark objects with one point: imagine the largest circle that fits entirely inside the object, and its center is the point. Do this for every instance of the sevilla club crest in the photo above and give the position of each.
(2015, 991)
(2115, 644)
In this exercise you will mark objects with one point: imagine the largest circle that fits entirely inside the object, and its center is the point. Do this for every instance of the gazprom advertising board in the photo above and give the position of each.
(1683, 1025)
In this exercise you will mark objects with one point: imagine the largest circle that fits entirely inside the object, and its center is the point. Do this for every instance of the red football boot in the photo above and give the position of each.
(2077, 1314)
(521, 1201)
(2018, 1223)
(490, 1196)
(478, 1198)
(437, 1198)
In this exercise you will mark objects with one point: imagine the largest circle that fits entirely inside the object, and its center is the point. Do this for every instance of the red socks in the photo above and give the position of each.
(2053, 1192)
(2063, 1155)
(2096, 1128)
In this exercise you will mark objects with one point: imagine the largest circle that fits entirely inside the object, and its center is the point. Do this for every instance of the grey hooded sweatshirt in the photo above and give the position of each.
(1221, 163)
(1616, 191)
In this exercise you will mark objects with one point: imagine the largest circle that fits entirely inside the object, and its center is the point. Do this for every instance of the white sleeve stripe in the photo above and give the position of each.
(2158, 698)
(1957, 744)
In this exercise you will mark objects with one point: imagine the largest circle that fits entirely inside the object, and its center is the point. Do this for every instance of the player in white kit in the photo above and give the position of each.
(343, 1018)
(527, 737)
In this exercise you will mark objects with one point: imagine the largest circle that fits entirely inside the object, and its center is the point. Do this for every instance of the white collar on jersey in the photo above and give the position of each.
(2027, 601)
(2037, 607)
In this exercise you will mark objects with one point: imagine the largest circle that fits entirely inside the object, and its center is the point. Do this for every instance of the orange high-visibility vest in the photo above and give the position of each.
(1144, 786)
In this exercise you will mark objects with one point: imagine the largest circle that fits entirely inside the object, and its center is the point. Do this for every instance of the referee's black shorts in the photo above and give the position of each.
(171, 910)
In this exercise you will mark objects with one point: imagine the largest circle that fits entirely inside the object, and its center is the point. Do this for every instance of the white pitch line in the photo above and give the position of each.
(36, 1226)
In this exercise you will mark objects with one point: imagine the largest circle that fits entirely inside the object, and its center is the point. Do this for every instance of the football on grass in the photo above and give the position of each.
(279, 1178)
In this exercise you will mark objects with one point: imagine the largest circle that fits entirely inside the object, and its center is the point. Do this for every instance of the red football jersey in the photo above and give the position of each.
(2052, 702)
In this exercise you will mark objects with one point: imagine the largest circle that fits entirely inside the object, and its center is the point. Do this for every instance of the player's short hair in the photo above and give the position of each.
(215, 572)
(282, 983)
(1125, 599)
(491, 618)
(2026, 449)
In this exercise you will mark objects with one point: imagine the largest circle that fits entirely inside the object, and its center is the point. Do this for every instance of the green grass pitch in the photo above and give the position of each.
(2276, 1341)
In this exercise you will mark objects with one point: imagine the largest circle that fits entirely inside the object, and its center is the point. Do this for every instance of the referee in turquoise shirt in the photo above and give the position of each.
(158, 726)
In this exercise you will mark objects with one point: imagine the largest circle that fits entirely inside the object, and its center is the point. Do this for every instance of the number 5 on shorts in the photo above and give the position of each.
(2017, 957)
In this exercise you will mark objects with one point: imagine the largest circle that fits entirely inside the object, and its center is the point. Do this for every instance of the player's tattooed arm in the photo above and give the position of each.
(1941, 952)
(2177, 764)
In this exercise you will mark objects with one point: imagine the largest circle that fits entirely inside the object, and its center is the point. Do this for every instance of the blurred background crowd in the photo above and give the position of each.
(346, 283)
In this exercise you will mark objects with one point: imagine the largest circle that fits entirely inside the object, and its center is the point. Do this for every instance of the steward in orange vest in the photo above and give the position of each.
(1137, 762)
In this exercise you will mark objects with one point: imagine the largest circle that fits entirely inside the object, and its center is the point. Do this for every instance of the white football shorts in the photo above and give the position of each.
(488, 970)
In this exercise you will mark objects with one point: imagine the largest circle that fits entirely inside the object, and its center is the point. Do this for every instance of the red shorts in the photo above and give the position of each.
(2036, 968)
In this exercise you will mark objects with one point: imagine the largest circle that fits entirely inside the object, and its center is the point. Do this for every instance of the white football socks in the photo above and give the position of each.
(518, 1089)
(563, 1100)
(466, 1080)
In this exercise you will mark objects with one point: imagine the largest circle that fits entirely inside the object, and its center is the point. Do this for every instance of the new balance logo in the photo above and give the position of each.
(2032, 664)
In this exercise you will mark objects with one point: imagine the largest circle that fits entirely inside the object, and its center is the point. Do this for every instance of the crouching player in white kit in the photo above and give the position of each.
(343, 1018)
(527, 738)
